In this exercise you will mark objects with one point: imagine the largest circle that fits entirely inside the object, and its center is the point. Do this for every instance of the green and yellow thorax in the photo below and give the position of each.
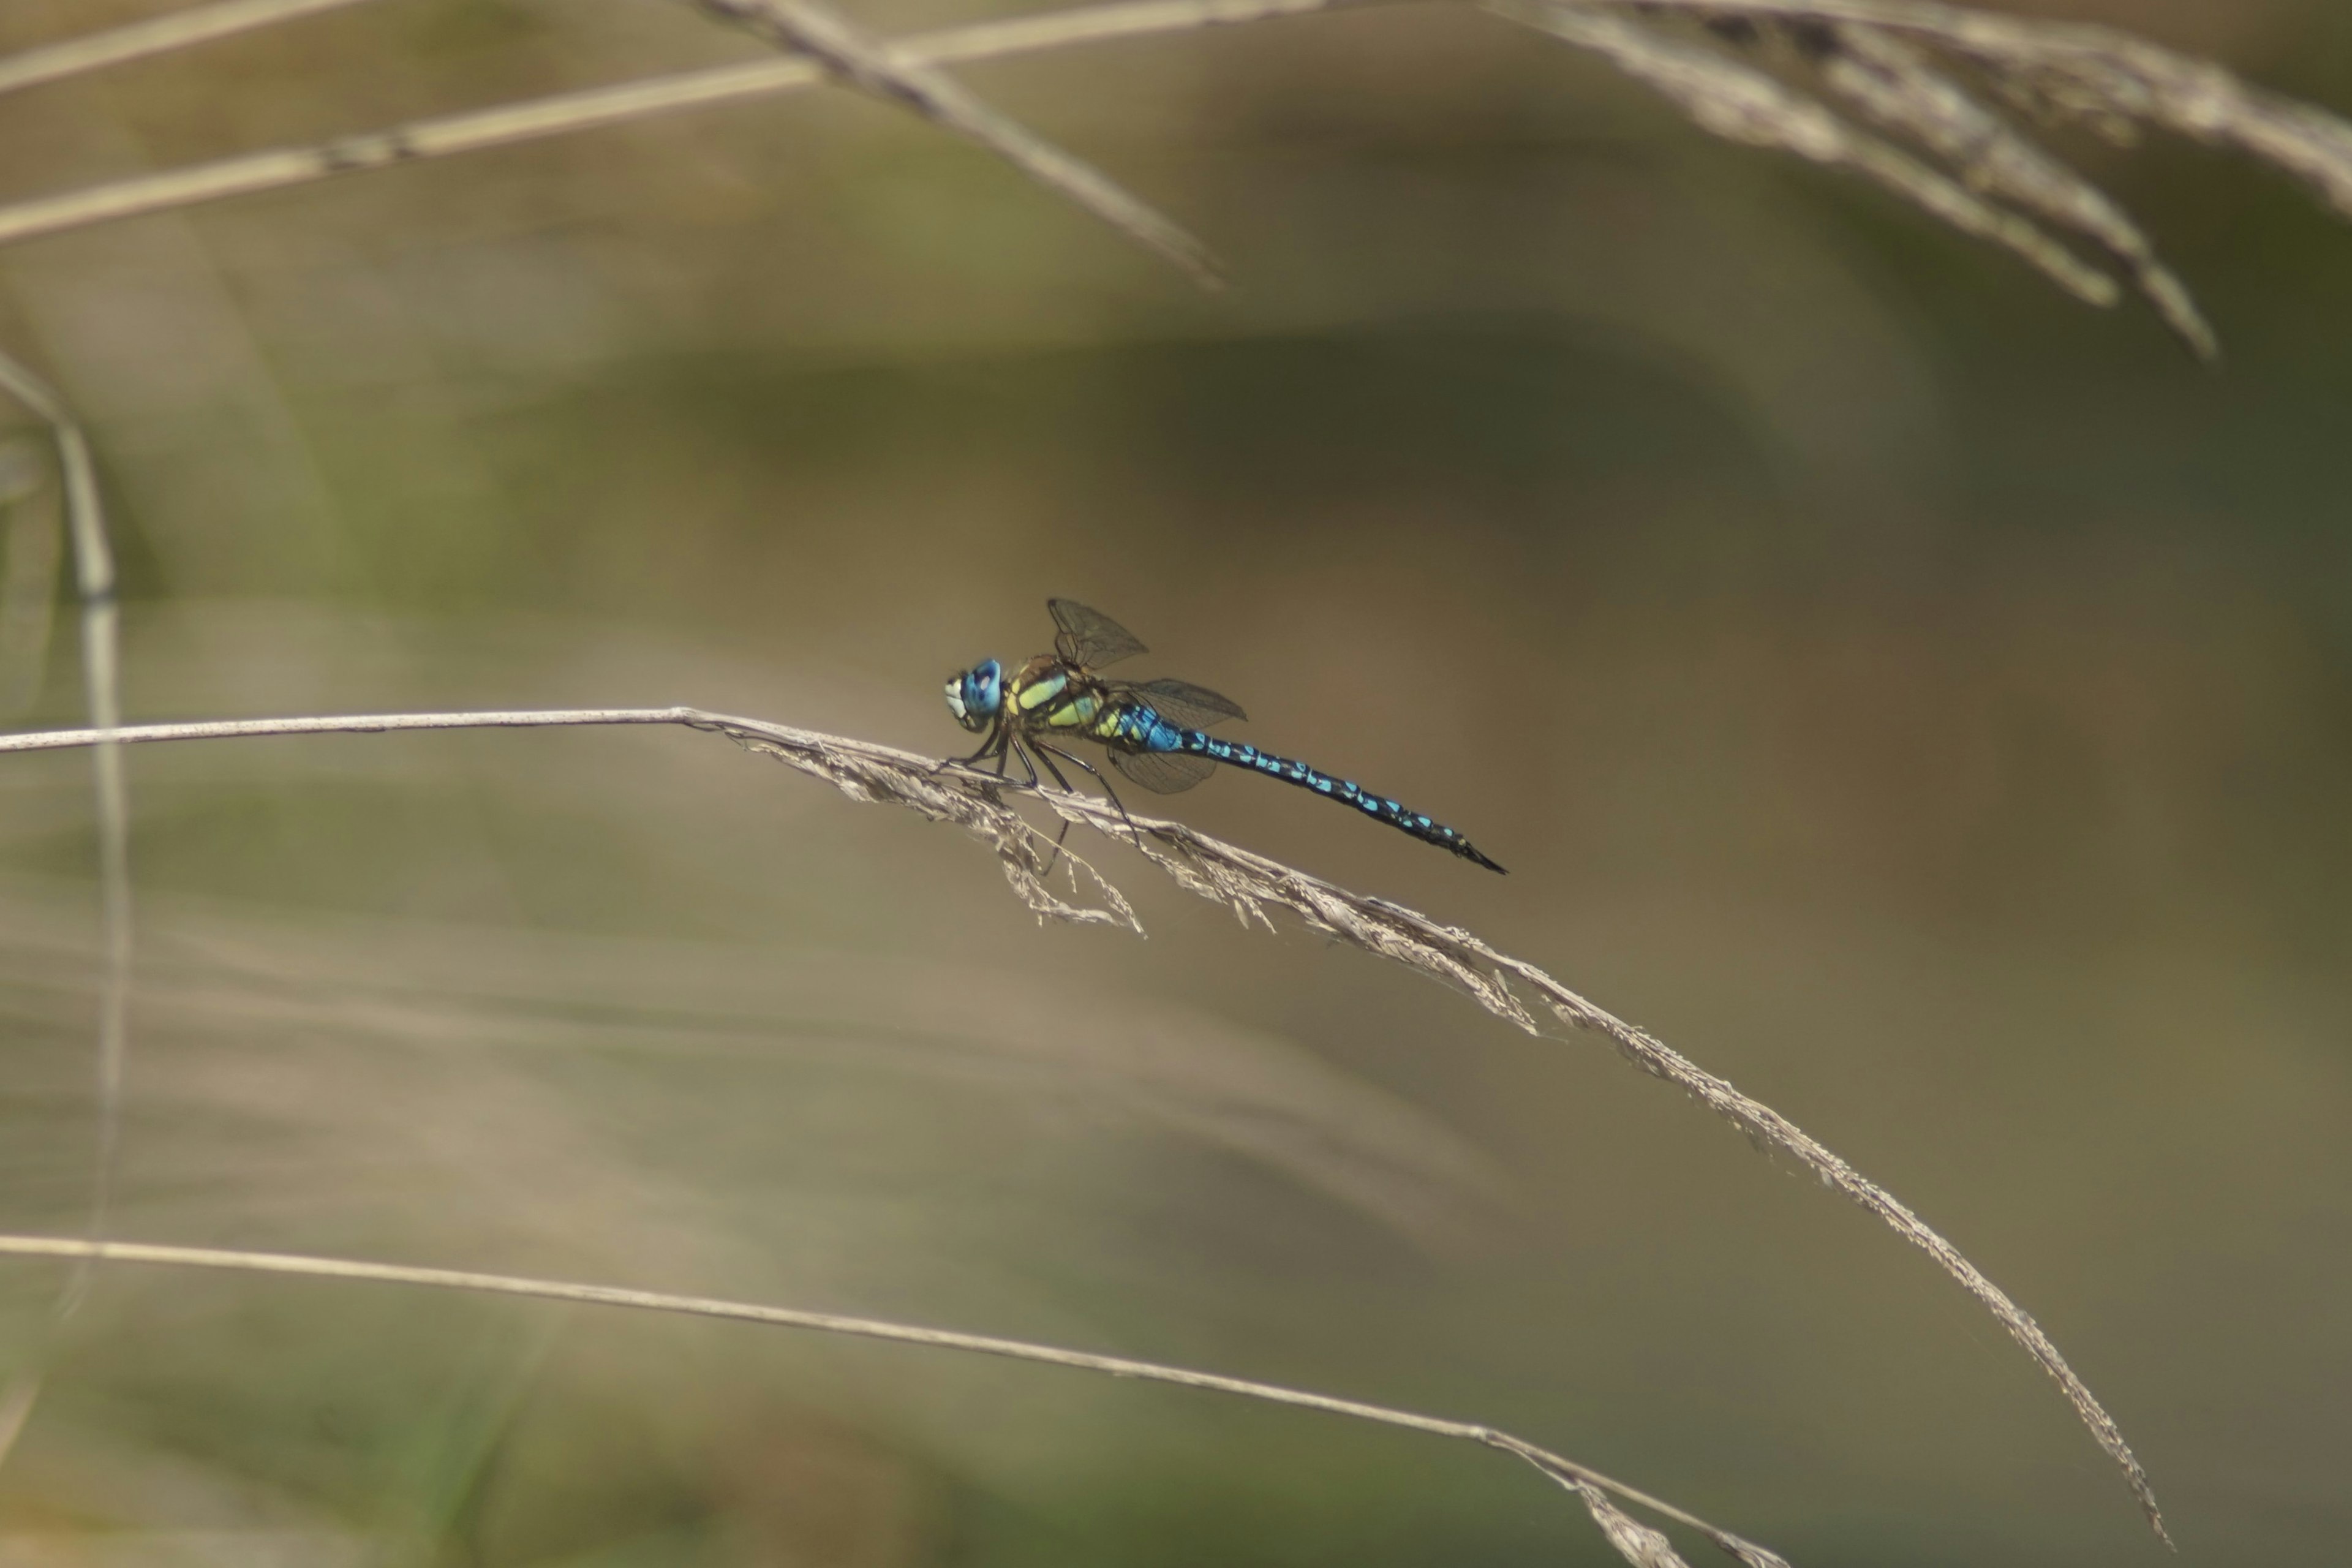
(1049, 694)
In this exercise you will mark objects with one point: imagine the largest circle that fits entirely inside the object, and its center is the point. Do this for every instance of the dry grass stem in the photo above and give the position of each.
(1888, 60)
(155, 35)
(867, 63)
(93, 556)
(1251, 886)
(565, 113)
(1598, 1490)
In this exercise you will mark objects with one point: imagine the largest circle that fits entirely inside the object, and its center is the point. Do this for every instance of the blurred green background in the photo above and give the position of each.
(1919, 699)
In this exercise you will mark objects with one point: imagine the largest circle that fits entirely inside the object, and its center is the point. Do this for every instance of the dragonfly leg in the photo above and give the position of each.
(1082, 762)
(1020, 755)
(993, 743)
(1064, 832)
(1048, 760)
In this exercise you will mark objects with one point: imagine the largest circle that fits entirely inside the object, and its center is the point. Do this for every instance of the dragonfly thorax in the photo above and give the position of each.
(977, 696)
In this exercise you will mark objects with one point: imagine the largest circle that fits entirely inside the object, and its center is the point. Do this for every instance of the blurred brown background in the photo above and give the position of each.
(1923, 700)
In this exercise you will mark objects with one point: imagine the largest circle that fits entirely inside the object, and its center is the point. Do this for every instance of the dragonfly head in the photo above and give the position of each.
(977, 695)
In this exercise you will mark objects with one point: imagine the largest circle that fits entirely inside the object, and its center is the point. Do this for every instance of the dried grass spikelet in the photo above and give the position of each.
(1901, 87)
(1899, 65)
(1253, 886)
(1737, 100)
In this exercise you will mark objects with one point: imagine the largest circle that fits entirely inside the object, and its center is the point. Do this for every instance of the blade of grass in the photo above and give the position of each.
(869, 64)
(1583, 1480)
(1250, 886)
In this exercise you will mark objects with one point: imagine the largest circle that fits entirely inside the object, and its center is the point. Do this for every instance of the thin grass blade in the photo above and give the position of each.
(93, 555)
(1587, 1483)
(868, 63)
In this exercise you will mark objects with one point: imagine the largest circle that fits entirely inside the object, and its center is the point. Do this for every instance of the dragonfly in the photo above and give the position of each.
(1156, 731)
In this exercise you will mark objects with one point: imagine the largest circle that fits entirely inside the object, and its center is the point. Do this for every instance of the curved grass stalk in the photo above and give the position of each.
(1596, 1490)
(93, 557)
(1251, 886)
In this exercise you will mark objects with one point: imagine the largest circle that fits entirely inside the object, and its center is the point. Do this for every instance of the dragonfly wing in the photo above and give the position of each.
(1090, 638)
(1182, 702)
(1163, 772)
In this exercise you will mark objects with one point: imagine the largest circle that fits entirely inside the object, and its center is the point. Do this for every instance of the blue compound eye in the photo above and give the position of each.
(975, 696)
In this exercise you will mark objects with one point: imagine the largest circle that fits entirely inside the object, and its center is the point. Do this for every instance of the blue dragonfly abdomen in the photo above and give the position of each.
(1396, 813)
(1139, 728)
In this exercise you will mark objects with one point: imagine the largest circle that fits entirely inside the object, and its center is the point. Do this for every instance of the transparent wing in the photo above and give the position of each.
(1163, 772)
(1090, 638)
(1182, 702)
